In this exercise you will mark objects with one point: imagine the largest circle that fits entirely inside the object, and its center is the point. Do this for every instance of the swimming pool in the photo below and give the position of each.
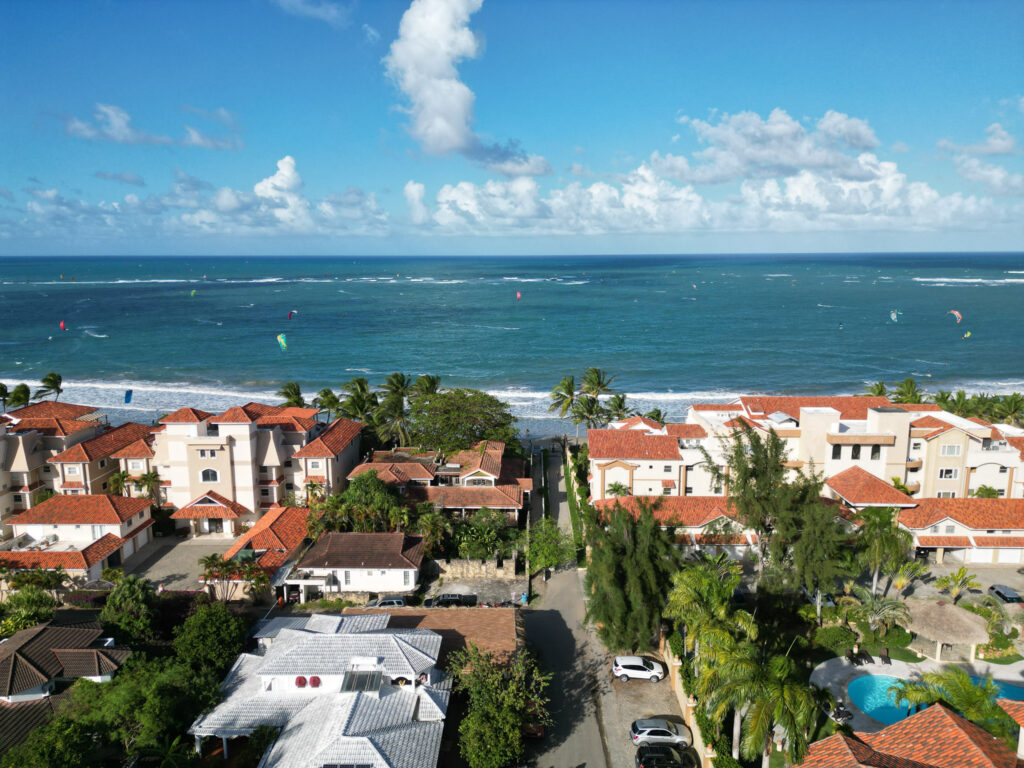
(870, 694)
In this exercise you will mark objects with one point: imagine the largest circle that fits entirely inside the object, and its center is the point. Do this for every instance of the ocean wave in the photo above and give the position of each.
(941, 281)
(827, 306)
(778, 274)
(117, 282)
(87, 332)
(525, 279)
(495, 327)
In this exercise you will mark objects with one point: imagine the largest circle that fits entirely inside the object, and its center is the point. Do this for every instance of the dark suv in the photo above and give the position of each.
(449, 600)
(664, 756)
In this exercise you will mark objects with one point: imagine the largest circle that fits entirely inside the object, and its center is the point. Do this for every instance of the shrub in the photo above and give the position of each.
(808, 613)
(86, 598)
(835, 638)
(897, 637)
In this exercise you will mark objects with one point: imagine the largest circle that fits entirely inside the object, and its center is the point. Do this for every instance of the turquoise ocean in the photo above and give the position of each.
(671, 329)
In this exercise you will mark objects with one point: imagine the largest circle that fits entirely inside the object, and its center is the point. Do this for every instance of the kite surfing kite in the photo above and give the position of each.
(193, 293)
(127, 395)
(519, 295)
(293, 312)
(894, 315)
(282, 341)
(62, 327)
(956, 314)
(966, 335)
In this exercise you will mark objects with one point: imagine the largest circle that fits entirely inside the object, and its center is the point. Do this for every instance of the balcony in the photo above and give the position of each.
(915, 464)
(913, 487)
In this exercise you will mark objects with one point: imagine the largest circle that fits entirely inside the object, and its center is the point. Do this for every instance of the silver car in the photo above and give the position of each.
(656, 731)
(626, 667)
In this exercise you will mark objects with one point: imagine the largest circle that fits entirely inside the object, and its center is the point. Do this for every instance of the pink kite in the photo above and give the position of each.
(956, 314)
(519, 295)
(62, 326)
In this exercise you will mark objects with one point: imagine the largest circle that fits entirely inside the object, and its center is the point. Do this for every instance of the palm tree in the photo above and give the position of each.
(984, 406)
(881, 541)
(956, 583)
(397, 385)
(878, 389)
(357, 385)
(150, 483)
(616, 408)
(1011, 409)
(360, 405)
(434, 527)
(563, 396)
(427, 384)
(880, 612)
(119, 483)
(655, 414)
(986, 492)
(327, 401)
(392, 420)
(19, 397)
(954, 688)
(588, 410)
(905, 574)
(907, 391)
(596, 382)
(5, 395)
(618, 489)
(314, 491)
(51, 385)
(944, 399)
(960, 404)
(291, 393)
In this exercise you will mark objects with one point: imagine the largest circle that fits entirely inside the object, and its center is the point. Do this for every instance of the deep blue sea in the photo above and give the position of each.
(671, 329)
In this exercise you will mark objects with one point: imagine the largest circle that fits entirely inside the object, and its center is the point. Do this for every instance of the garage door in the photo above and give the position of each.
(1008, 556)
(980, 556)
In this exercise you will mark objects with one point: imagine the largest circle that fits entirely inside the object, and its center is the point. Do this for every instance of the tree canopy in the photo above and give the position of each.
(130, 610)
(457, 419)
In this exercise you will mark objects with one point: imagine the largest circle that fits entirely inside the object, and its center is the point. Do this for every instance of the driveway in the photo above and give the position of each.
(174, 562)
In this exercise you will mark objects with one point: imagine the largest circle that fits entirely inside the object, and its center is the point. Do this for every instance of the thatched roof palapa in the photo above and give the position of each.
(946, 622)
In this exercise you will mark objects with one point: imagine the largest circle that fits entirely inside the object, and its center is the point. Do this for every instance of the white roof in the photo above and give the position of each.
(400, 654)
(321, 623)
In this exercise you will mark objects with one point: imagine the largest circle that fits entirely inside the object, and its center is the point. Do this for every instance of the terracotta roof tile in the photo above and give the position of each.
(279, 533)
(332, 441)
(929, 422)
(842, 751)
(683, 511)
(221, 508)
(1014, 709)
(92, 509)
(717, 407)
(71, 560)
(979, 514)
(943, 541)
(140, 449)
(999, 541)
(104, 445)
(916, 407)
(50, 427)
(631, 444)
(859, 487)
(365, 550)
(234, 415)
(853, 408)
(50, 409)
(185, 416)
(686, 431)
(469, 497)
(287, 423)
(637, 421)
(484, 456)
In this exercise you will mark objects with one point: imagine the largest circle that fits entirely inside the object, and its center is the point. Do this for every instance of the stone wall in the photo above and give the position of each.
(472, 569)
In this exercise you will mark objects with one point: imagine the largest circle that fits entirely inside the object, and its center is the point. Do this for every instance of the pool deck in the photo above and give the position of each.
(836, 674)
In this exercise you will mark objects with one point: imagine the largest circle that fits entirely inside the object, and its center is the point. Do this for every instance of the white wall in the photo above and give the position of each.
(369, 579)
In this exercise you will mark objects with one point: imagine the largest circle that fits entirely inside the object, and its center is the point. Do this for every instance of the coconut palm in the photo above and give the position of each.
(427, 384)
(618, 489)
(19, 397)
(1011, 409)
(314, 491)
(905, 574)
(960, 404)
(881, 541)
(878, 389)
(360, 406)
(51, 385)
(984, 406)
(357, 385)
(616, 408)
(397, 385)
(986, 492)
(596, 382)
(907, 391)
(956, 583)
(328, 402)
(588, 410)
(563, 396)
(880, 612)
(998, 619)
(954, 688)
(655, 414)
(120, 483)
(944, 399)
(151, 483)
(434, 526)
(392, 420)
(5, 395)
(291, 393)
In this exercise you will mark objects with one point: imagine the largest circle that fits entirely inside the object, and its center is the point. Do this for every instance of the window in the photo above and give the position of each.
(689, 490)
(264, 491)
(876, 452)
(1001, 493)
(949, 474)
(71, 469)
(314, 465)
(935, 529)
(668, 468)
(288, 463)
(134, 465)
(207, 454)
(915, 446)
(855, 452)
(650, 466)
(263, 470)
(289, 486)
(1002, 470)
(17, 498)
(666, 491)
(406, 577)
(46, 469)
(103, 463)
(348, 578)
(209, 476)
(950, 529)
(950, 450)
(104, 486)
(946, 495)
(369, 573)
(837, 451)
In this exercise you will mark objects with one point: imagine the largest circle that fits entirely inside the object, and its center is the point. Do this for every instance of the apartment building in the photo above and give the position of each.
(29, 437)
(932, 452)
(86, 467)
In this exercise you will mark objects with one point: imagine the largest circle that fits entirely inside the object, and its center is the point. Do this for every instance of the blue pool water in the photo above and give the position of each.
(870, 694)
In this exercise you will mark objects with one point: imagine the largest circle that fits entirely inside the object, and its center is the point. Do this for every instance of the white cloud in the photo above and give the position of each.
(218, 115)
(997, 142)
(852, 131)
(414, 192)
(370, 35)
(998, 180)
(327, 11)
(112, 123)
(125, 177)
(433, 37)
(194, 138)
(900, 146)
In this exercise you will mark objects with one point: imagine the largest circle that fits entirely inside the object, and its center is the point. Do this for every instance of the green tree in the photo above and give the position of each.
(617, 409)
(953, 687)
(328, 402)
(426, 384)
(986, 492)
(5, 395)
(596, 382)
(210, 639)
(817, 553)
(881, 542)
(119, 483)
(19, 397)
(880, 613)
(904, 574)
(944, 399)
(26, 607)
(588, 410)
(631, 566)
(956, 583)
(391, 420)
(151, 483)
(501, 699)
(59, 743)
(563, 397)
(617, 489)
(51, 385)
(1011, 409)
(655, 414)
(486, 534)
(878, 389)
(435, 527)
(130, 610)
(398, 385)
(223, 575)
(291, 393)
(907, 391)
(457, 419)
(548, 546)
(361, 403)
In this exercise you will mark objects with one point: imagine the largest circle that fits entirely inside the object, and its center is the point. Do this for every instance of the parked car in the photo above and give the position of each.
(656, 731)
(387, 601)
(449, 600)
(664, 756)
(626, 667)
(1005, 593)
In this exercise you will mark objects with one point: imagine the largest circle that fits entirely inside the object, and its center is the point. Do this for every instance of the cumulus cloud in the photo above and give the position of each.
(370, 35)
(414, 193)
(218, 115)
(335, 14)
(997, 142)
(998, 180)
(114, 124)
(433, 38)
(125, 177)
(851, 131)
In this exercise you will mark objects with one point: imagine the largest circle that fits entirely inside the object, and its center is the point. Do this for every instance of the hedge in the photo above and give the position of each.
(86, 598)
(835, 638)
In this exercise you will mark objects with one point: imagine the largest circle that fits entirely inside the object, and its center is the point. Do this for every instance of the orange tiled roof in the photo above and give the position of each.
(634, 421)
(916, 407)
(222, 508)
(140, 449)
(999, 541)
(72, 484)
(929, 422)
(332, 441)
(978, 421)
(104, 445)
(859, 487)
(301, 413)
(937, 736)
(1016, 442)
(472, 497)
(943, 541)
(287, 423)
(683, 511)
(185, 416)
(77, 560)
(484, 456)
(1014, 709)
(684, 431)
(631, 444)
(234, 415)
(278, 534)
(394, 473)
(51, 427)
(855, 408)
(98, 509)
(717, 407)
(842, 751)
(979, 514)
(51, 409)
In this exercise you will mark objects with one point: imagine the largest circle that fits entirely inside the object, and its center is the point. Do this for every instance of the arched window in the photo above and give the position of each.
(209, 476)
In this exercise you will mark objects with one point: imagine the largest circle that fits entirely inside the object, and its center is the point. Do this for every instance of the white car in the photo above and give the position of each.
(626, 667)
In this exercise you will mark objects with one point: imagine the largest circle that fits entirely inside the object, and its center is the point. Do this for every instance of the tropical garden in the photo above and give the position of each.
(1002, 409)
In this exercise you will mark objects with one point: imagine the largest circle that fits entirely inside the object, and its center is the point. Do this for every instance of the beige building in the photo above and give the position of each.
(86, 467)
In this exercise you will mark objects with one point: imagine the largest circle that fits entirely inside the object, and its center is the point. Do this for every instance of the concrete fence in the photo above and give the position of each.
(472, 569)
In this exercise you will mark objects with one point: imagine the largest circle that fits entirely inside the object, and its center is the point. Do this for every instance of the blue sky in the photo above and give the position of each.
(469, 126)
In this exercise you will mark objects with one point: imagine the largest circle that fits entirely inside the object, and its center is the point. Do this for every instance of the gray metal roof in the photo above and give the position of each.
(321, 623)
(406, 654)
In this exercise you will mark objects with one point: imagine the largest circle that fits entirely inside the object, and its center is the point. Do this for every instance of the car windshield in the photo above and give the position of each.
(646, 664)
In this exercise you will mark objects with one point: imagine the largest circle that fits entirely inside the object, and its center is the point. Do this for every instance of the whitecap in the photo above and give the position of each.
(87, 332)
(948, 281)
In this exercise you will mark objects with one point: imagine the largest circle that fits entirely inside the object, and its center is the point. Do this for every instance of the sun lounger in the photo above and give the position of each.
(884, 656)
(866, 658)
(853, 659)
